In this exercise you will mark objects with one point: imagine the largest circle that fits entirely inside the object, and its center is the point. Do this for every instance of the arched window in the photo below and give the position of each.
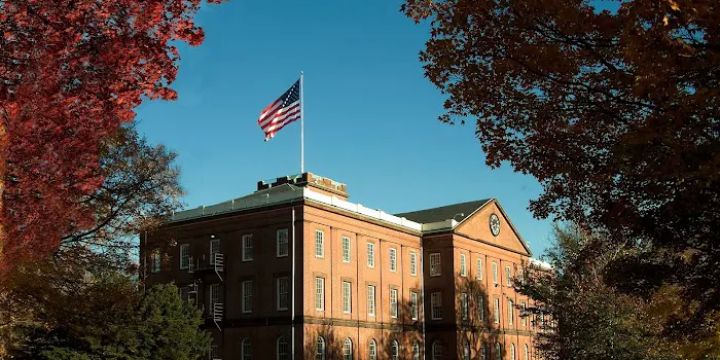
(526, 354)
(282, 348)
(394, 350)
(416, 351)
(466, 350)
(437, 350)
(246, 349)
(513, 355)
(372, 350)
(347, 349)
(498, 351)
(320, 348)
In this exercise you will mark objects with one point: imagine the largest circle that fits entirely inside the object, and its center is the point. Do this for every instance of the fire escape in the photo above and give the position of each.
(211, 272)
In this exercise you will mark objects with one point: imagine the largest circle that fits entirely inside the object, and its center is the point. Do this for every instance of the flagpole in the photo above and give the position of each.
(302, 126)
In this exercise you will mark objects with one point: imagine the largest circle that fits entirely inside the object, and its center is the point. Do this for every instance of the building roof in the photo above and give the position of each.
(458, 212)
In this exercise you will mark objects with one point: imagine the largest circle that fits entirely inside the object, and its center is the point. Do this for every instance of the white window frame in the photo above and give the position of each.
(511, 312)
(414, 305)
(246, 354)
(481, 307)
(246, 289)
(347, 350)
(436, 305)
(372, 349)
(214, 249)
(464, 306)
(497, 312)
(346, 246)
(282, 293)
(319, 244)
(282, 348)
(319, 293)
(435, 264)
(508, 275)
(392, 253)
(479, 271)
(347, 297)
(413, 263)
(416, 351)
(463, 265)
(281, 242)
(495, 275)
(371, 300)
(394, 303)
(320, 348)
(371, 255)
(437, 350)
(248, 247)
(394, 350)
(155, 261)
(184, 256)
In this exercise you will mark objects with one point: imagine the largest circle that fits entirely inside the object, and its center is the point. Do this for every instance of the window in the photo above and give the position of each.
(498, 351)
(495, 272)
(184, 256)
(347, 297)
(371, 255)
(464, 306)
(283, 348)
(436, 305)
(393, 259)
(508, 275)
(281, 242)
(479, 269)
(466, 350)
(435, 264)
(214, 294)
(414, 305)
(481, 307)
(463, 265)
(394, 303)
(347, 349)
(437, 350)
(214, 352)
(413, 263)
(319, 294)
(394, 350)
(319, 243)
(320, 348)
(155, 261)
(247, 247)
(511, 312)
(371, 300)
(526, 353)
(283, 293)
(372, 350)
(346, 249)
(484, 352)
(214, 249)
(246, 350)
(416, 351)
(523, 314)
(513, 355)
(247, 295)
(497, 310)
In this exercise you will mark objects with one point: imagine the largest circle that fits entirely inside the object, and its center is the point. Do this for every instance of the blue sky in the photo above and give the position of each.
(370, 115)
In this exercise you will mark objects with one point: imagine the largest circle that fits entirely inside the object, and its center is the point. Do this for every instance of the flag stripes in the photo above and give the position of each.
(281, 112)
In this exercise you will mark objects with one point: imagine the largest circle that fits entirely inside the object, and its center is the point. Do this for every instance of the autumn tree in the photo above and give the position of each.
(612, 106)
(71, 73)
(579, 316)
(140, 186)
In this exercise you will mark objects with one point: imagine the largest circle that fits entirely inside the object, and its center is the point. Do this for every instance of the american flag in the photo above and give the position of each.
(281, 112)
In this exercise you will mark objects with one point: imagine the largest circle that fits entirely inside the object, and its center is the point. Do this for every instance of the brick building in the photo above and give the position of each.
(428, 284)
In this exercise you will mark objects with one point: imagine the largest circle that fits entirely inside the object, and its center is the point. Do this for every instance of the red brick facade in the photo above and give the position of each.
(344, 253)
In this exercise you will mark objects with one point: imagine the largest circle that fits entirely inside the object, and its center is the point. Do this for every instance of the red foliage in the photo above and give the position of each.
(71, 73)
